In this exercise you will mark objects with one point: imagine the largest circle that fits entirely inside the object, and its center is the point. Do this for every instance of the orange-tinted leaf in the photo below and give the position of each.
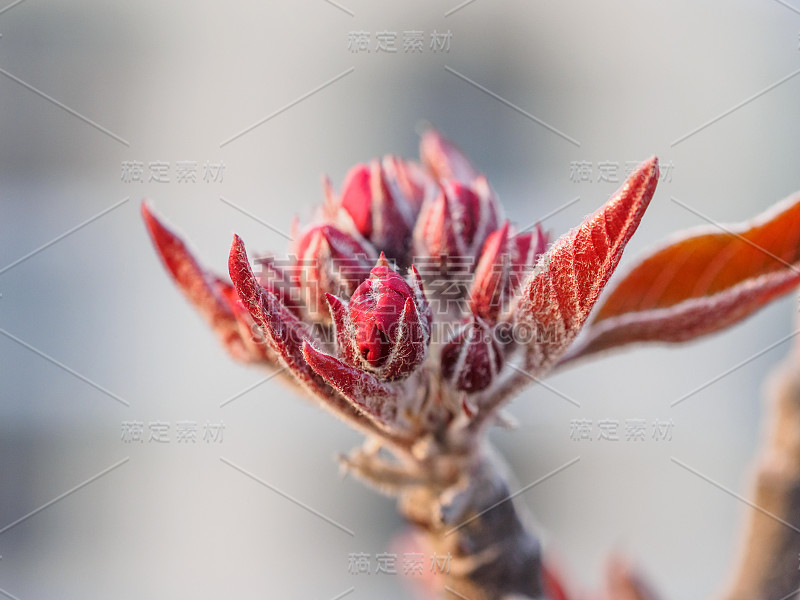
(560, 293)
(701, 283)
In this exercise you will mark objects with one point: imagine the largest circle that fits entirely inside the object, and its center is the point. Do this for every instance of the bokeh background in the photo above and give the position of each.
(87, 85)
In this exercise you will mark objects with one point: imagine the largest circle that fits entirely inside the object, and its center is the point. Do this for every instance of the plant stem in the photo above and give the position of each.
(769, 560)
(494, 555)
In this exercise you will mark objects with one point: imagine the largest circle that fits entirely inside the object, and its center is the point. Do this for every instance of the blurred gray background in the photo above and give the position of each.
(87, 85)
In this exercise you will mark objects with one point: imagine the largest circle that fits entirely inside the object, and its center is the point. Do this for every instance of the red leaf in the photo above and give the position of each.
(198, 285)
(256, 348)
(558, 296)
(284, 332)
(359, 387)
(702, 283)
(343, 329)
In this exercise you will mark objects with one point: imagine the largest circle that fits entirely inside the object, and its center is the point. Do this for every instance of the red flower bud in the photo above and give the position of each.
(457, 222)
(385, 328)
(501, 268)
(330, 261)
(357, 194)
(409, 179)
(444, 159)
(379, 208)
(472, 359)
(375, 308)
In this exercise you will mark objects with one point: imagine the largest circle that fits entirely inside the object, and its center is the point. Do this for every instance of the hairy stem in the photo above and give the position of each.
(494, 555)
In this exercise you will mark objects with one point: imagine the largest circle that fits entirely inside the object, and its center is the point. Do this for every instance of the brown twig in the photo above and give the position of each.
(768, 565)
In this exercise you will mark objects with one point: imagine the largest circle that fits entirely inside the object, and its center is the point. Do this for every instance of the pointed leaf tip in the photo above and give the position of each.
(203, 290)
(173, 252)
(193, 280)
(244, 280)
(558, 296)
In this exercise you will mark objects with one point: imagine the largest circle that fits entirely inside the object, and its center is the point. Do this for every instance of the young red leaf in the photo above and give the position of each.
(361, 388)
(283, 331)
(556, 299)
(257, 350)
(701, 283)
(198, 285)
(343, 328)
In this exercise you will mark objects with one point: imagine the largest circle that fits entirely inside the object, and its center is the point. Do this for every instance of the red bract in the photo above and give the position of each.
(421, 369)
(452, 229)
(444, 160)
(472, 360)
(330, 261)
(504, 261)
(409, 179)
